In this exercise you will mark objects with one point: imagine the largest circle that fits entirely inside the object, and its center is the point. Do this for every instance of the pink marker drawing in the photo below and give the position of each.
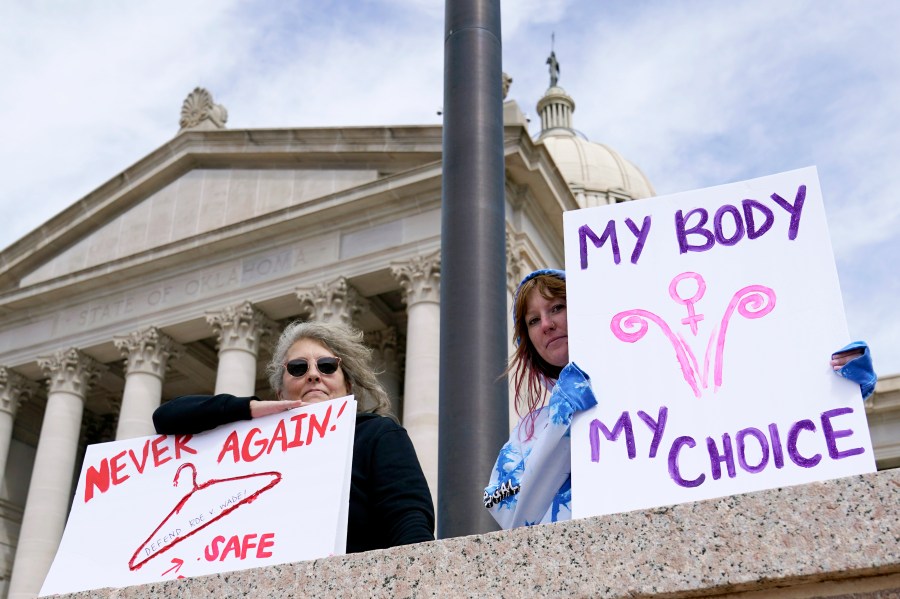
(751, 302)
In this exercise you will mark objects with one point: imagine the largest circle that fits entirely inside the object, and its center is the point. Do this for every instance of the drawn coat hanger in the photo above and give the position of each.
(197, 501)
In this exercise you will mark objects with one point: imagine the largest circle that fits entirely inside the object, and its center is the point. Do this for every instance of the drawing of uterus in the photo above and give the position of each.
(751, 302)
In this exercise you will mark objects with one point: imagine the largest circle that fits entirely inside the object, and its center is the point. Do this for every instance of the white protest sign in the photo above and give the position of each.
(706, 321)
(253, 493)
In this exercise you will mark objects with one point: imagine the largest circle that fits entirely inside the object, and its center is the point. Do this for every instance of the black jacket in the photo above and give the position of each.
(390, 503)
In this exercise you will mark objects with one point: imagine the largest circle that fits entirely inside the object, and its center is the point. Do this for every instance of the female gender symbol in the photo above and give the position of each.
(692, 319)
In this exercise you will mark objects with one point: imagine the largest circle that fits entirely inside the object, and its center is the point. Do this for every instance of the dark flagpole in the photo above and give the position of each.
(473, 420)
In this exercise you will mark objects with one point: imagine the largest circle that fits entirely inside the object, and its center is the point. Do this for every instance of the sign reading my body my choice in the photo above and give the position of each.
(706, 321)
(253, 493)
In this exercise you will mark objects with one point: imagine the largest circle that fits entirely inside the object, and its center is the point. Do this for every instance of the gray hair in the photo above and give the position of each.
(347, 344)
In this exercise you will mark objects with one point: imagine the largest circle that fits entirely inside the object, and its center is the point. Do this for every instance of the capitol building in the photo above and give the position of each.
(175, 275)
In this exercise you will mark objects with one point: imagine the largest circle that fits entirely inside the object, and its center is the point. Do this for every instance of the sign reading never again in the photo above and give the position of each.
(236, 497)
(706, 321)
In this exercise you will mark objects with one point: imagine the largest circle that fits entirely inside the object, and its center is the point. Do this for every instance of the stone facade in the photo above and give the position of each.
(176, 275)
(883, 414)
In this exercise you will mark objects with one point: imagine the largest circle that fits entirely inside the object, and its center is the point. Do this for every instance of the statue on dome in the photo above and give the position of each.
(554, 68)
(554, 64)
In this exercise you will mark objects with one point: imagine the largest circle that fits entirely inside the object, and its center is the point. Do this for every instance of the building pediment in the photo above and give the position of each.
(216, 217)
(206, 181)
(209, 191)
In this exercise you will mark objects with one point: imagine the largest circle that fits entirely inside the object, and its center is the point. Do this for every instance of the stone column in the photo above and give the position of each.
(385, 360)
(239, 330)
(71, 374)
(15, 389)
(420, 281)
(334, 302)
(146, 353)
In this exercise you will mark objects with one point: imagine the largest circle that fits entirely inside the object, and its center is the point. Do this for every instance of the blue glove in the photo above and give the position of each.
(859, 370)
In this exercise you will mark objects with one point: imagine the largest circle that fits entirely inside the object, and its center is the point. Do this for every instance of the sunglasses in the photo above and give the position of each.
(299, 367)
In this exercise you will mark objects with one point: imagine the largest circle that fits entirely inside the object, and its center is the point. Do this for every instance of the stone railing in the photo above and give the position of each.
(839, 538)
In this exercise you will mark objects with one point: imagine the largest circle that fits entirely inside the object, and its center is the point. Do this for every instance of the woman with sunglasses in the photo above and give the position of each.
(390, 503)
(531, 481)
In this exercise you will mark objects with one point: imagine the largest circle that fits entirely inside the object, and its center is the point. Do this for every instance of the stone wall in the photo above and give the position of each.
(839, 538)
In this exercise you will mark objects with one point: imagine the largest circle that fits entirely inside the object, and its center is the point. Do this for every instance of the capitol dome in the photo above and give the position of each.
(596, 173)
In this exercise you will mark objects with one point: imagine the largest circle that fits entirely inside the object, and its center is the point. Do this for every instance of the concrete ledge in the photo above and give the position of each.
(839, 538)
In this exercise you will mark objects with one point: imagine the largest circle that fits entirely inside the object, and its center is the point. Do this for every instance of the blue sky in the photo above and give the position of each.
(696, 93)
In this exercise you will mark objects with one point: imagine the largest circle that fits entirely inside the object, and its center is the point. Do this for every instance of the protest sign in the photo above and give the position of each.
(706, 321)
(253, 493)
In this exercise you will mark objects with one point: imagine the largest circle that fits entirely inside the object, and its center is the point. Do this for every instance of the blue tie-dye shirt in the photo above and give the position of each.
(531, 481)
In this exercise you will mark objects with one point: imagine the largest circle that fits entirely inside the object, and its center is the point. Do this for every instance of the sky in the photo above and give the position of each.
(695, 92)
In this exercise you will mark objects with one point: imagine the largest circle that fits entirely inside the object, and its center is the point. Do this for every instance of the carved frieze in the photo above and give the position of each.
(419, 278)
(337, 301)
(15, 390)
(147, 350)
(70, 371)
(240, 327)
(200, 112)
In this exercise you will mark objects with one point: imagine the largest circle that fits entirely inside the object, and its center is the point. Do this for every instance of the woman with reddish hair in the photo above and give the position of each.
(531, 481)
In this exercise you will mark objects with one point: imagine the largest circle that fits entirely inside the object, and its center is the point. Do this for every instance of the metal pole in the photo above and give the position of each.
(473, 421)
